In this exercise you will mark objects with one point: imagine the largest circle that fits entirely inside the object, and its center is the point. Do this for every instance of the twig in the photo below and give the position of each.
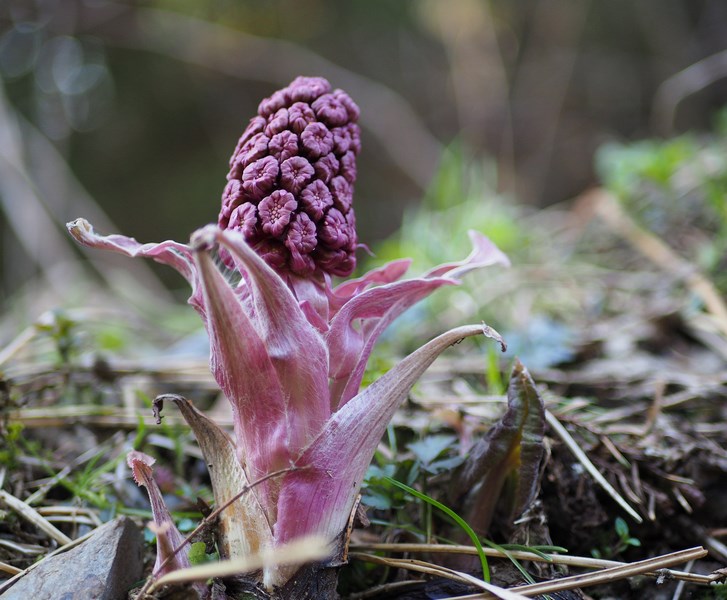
(660, 254)
(680, 586)
(589, 466)
(17, 344)
(614, 573)
(10, 569)
(439, 571)
(32, 516)
(604, 576)
(683, 84)
(558, 559)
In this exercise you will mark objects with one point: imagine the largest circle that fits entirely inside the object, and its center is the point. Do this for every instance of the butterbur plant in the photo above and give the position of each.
(288, 348)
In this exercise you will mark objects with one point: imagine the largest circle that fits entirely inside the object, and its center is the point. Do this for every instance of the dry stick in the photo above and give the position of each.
(209, 519)
(10, 569)
(680, 586)
(31, 515)
(604, 576)
(556, 559)
(410, 564)
(17, 344)
(439, 571)
(589, 466)
(613, 573)
(607, 207)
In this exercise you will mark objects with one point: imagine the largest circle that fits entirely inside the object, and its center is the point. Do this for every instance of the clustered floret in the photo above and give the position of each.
(290, 185)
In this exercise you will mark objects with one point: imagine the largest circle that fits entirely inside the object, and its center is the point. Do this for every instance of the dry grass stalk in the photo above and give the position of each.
(556, 559)
(603, 576)
(32, 516)
(589, 466)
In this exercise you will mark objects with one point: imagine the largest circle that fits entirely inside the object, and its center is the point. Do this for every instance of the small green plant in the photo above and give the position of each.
(11, 448)
(623, 542)
(454, 516)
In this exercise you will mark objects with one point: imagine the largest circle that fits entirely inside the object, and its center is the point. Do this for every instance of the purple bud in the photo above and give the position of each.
(244, 219)
(259, 177)
(301, 240)
(231, 199)
(275, 211)
(256, 125)
(348, 167)
(336, 262)
(334, 231)
(283, 145)
(355, 132)
(277, 123)
(315, 199)
(299, 115)
(326, 167)
(351, 107)
(330, 110)
(274, 103)
(307, 89)
(290, 189)
(273, 252)
(317, 139)
(342, 194)
(295, 173)
(256, 147)
(341, 140)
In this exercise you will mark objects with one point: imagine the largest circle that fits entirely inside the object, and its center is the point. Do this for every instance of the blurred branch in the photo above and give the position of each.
(683, 84)
(384, 113)
(25, 212)
(65, 198)
(606, 206)
(543, 61)
(38, 194)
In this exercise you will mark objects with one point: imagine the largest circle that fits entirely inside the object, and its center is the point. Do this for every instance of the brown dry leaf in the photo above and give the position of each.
(507, 460)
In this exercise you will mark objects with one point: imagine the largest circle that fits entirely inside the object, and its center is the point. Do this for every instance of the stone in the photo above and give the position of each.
(104, 567)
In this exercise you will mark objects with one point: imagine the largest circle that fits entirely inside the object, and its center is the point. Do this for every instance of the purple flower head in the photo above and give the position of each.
(307, 89)
(259, 178)
(255, 147)
(335, 231)
(316, 198)
(317, 139)
(299, 115)
(295, 173)
(283, 145)
(244, 219)
(330, 110)
(348, 167)
(342, 194)
(232, 197)
(303, 142)
(278, 123)
(327, 167)
(275, 212)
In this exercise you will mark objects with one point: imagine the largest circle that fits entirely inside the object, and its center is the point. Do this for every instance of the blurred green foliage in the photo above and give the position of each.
(676, 189)
(460, 197)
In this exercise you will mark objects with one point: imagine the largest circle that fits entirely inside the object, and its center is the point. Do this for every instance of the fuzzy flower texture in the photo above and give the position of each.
(287, 347)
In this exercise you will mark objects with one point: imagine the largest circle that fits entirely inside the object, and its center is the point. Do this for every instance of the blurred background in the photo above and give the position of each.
(126, 113)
